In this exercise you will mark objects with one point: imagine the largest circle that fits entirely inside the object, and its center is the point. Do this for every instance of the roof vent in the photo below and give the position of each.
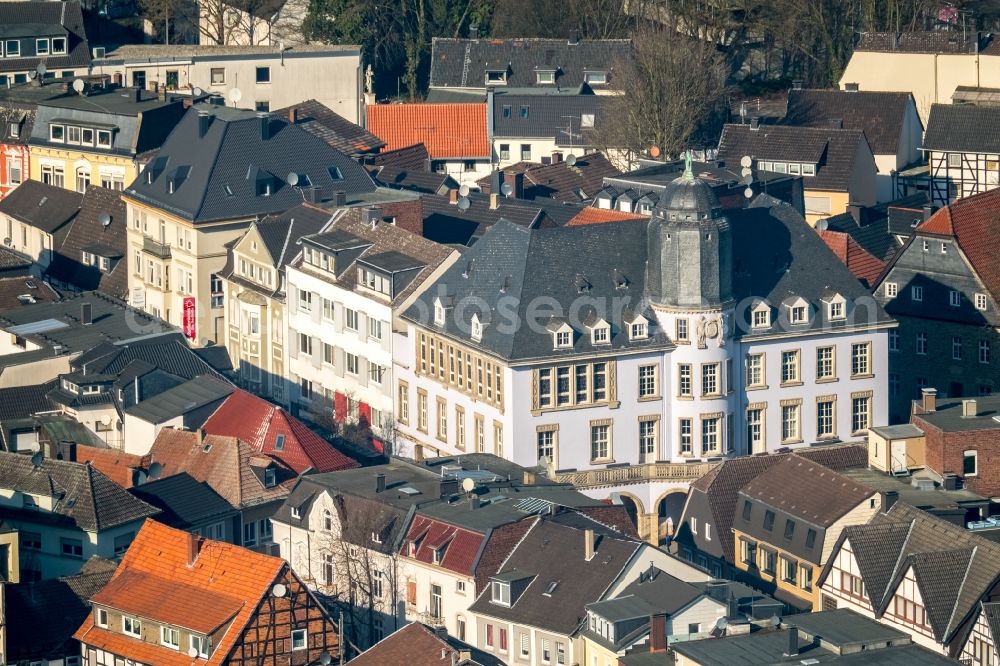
(86, 314)
(265, 125)
(204, 121)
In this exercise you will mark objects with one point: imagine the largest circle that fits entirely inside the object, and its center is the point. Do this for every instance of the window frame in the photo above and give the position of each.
(258, 70)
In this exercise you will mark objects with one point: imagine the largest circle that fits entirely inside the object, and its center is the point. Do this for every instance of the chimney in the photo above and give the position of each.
(658, 633)
(755, 123)
(453, 196)
(857, 211)
(474, 502)
(204, 120)
(340, 198)
(473, 31)
(557, 157)
(529, 478)
(380, 483)
(519, 186)
(86, 314)
(889, 498)
(428, 165)
(494, 200)
(851, 87)
(496, 180)
(293, 115)
(137, 94)
(161, 93)
(929, 210)
(793, 642)
(194, 546)
(310, 194)
(929, 400)
(200, 436)
(969, 409)
(265, 125)
(574, 37)
(588, 544)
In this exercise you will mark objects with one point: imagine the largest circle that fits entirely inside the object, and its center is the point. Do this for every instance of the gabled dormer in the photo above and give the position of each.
(835, 307)
(760, 315)
(797, 311)
(605, 199)
(600, 332)
(476, 328)
(506, 588)
(442, 304)
(637, 326)
(562, 333)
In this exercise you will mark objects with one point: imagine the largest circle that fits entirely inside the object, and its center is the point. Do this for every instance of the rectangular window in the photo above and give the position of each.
(954, 297)
(101, 617)
(984, 351)
(860, 414)
(170, 637)
(824, 419)
(131, 626)
(42, 46)
(824, 363)
(352, 363)
(789, 570)
(263, 75)
(600, 442)
(970, 463)
(525, 152)
(954, 160)
(790, 423)
(917, 293)
(351, 319)
(684, 380)
(71, 547)
(710, 379)
(755, 370)
(682, 329)
(647, 381)
(12, 48)
(980, 300)
(685, 436)
(861, 359)
(374, 328)
(404, 403)
(755, 429)
(921, 347)
(299, 637)
(956, 348)
(767, 562)
(218, 76)
(647, 440)
(709, 435)
(891, 289)
(748, 552)
(789, 367)
(504, 151)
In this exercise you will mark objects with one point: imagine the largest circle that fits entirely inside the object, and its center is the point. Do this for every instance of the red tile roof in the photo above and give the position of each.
(114, 464)
(461, 546)
(224, 575)
(448, 130)
(258, 423)
(862, 264)
(600, 215)
(974, 223)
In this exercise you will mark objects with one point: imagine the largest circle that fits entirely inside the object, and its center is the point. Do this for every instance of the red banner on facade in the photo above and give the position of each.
(190, 318)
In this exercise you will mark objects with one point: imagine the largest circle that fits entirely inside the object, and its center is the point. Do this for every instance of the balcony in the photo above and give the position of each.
(430, 619)
(155, 248)
(617, 476)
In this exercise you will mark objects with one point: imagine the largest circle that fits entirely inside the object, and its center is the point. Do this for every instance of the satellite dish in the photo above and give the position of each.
(41, 69)
(746, 171)
(746, 161)
(104, 219)
(463, 191)
(7, 241)
(155, 469)
(654, 151)
(721, 623)
(106, 420)
(325, 658)
(822, 225)
(464, 203)
(193, 652)
(773, 621)
(32, 75)
(571, 160)
(468, 485)
(748, 193)
(78, 85)
(506, 189)
(292, 178)
(235, 95)
(197, 91)
(37, 458)
(279, 590)
(747, 179)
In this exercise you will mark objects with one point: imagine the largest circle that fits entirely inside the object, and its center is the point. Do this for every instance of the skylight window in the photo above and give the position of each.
(335, 173)
(279, 443)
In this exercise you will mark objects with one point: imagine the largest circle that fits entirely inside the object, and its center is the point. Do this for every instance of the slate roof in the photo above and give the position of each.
(417, 644)
(419, 253)
(513, 262)
(21, 114)
(880, 115)
(554, 552)
(169, 353)
(233, 154)
(182, 399)
(974, 223)
(954, 567)
(545, 116)
(450, 131)
(42, 616)
(184, 501)
(878, 228)
(561, 181)
(18, 402)
(416, 179)
(224, 463)
(90, 501)
(832, 150)
(88, 234)
(155, 581)
(412, 158)
(19, 19)
(929, 41)
(445, 222)
(335, 130)
(259, 423)
(963, 128)
(45, 207)
(463, 63)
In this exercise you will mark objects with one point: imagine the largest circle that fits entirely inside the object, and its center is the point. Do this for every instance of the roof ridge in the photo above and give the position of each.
(961, 589)
(903, 556)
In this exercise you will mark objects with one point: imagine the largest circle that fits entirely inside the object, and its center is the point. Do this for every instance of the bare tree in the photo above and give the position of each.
(672, 87)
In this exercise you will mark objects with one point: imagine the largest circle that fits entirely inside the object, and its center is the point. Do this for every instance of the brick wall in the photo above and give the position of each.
(946, 449)
(409, 215)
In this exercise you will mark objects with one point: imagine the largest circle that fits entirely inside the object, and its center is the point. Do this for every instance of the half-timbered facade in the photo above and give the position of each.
(963, 159)
(176, 597)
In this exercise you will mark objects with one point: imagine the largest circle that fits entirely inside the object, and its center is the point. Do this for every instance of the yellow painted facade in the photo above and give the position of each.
(837, 204)
(73, 168)
(597, 655)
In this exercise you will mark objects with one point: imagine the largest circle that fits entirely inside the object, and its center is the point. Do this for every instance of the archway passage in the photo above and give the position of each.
(668, 511)
(632, 509)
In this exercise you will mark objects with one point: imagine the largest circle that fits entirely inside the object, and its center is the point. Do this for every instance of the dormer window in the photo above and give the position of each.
(595, 77)
(437, 555)
(438, 312)
(496, 76)
(131, 626)
(57, 133)
(476, 329)
(601, 335)
(170, 637)
(500, 593)
(70, 386)
(562, 335)
(58, 45)
(762, 316)
(101, 617)
(103, 138)
(563, 339)
(835, 307)
(808, 169)
(545, 76)
(15, 130)
(13, 48)
(42, 46)
(638, 328)
(270, 477)
(263, 188)
(798, 314)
